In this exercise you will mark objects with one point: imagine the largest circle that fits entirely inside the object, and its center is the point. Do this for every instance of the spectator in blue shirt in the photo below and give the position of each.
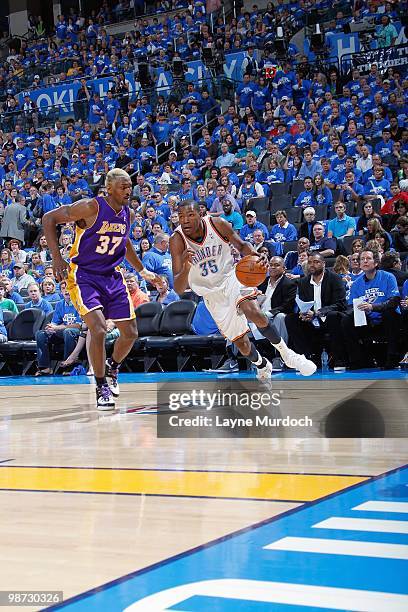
(384, 147)
(377, 186)
(232, 216)
(342, 225)
(161, 130)
(246, 232)
(158, 258)
(63, 329)
(245, 92)
(283, 230)
(379, 290)
(322, 194)
(36, 301)
(350, 190)
(310, 167)
(306, 197)
(329, 176)
(325, 246)
(165, 294)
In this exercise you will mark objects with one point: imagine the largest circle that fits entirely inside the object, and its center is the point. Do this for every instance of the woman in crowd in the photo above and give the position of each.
(368, 213)
(322, 194)
(49, 290)
(6, 263)
(165, 294)
(17, 253)
(357, 245)
(145, 246)
(42, 249)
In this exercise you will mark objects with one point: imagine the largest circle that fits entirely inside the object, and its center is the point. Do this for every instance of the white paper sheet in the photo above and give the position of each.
(360, 318)
(304, 306)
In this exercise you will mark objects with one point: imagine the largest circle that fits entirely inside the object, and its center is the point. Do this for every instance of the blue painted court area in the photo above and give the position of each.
(348, 551)
(161, 377)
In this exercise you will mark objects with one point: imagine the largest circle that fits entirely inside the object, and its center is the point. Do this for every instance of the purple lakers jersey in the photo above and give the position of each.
(102, 247)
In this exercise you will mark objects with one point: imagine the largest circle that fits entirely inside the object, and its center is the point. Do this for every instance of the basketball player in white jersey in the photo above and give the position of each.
(201, 252)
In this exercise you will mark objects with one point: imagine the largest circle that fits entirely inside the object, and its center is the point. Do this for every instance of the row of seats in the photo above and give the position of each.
(323, 212)
(165, 339)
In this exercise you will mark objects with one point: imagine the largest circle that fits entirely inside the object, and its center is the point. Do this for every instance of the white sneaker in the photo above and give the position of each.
(112, 374)
(298, 362)
(264, 373)
(104, 398)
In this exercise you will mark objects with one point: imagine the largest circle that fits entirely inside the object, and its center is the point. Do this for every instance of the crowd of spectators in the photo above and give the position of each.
(307, 157)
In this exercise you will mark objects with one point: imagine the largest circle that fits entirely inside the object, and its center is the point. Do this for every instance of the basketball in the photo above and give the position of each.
(250, 271)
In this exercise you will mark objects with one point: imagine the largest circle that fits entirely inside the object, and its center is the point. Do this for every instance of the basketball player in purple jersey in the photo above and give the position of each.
(95, 284)
(201, 252)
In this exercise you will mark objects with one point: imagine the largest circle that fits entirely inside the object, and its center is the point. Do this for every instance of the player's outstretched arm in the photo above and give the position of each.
(83, 210)
(181, 262)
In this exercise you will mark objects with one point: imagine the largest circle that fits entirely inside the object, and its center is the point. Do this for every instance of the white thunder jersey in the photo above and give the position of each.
(212, 275)
(212, 260)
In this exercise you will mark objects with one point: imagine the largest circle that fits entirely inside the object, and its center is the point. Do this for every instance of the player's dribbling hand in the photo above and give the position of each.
(60, 268)
(187, 257)
(263, 259)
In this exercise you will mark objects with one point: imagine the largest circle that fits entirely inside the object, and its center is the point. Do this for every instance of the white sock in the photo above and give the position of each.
(281, 346)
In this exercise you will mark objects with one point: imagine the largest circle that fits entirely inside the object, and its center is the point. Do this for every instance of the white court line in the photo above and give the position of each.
(383, 506)
(341, 547)
(360, 524)
(274, 592)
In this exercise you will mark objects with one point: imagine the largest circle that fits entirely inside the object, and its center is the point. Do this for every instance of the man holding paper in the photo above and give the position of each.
(321, 300)
(374, 293)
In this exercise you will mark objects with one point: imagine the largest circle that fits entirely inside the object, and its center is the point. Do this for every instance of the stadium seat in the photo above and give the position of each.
(279, 189)
(297, 188)
(281, 202)
(336, 195)
(192, 349)
(175, 321)
(264, 217)
(8, 317)
(148, 324)
(21, 340)
(321, 212)
(294, 214)
(347, 242)
(289, 245)
(257, 204)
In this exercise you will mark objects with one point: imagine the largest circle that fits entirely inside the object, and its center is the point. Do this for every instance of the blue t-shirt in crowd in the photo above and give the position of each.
(340, 228)
(65, 314)
(203, 324)
(160, 263)
(375, 291)
(282, 234)
(41, 305)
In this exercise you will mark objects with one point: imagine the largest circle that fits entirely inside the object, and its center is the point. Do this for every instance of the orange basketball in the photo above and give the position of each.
(249, 271)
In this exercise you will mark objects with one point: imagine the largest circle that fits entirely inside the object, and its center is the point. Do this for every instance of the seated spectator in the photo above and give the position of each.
(381, 299)
(49, 290)
(301, 267)
(6, 263)
(36, 301)
(17, 253)
(63, 329)
(291, 258)
(145, 247)
(282, 230)
(278, 298)
(6, 303)
(391, 262)
(42, 249)
(84, 339)
(350, 189)
(310, 167)
(137, 295)
(368, 213)
(325, 246)
(357, 245)
(383, 240)
(377, 186)
(21, 279)
(400, 236)
(3, 330)
(327, 292)
(322, 194)
(342, 225)
(250, 188)
(306, 228)
(36, 269)
(232, 216)
(355, 269)
(158, 259)
(259, 242)
(247, 230)
(165, 294)
(11, 293)
(307, 197)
